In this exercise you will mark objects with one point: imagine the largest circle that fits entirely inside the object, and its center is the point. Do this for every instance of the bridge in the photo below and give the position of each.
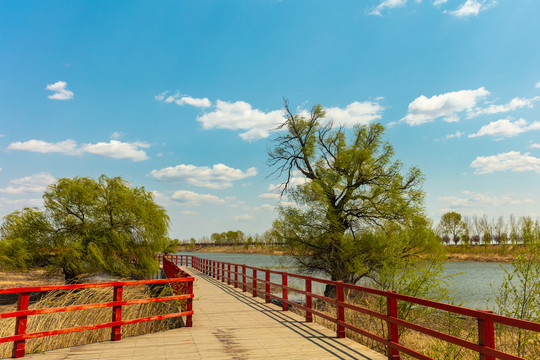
(234, 311)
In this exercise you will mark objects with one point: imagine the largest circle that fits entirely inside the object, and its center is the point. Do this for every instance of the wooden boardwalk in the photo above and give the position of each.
(227, 324)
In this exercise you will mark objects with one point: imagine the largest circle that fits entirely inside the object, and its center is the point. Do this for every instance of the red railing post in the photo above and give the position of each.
(189, 305)
(20, 325)
(222, 272)
(267, 290)
(393, 331)
(244, 278)
(486, 335)
(229, 274)
(254, 283)
(340, 313)
(235, 275)
(285, 291)
(116, 331)
(214, 275)
(309, 300)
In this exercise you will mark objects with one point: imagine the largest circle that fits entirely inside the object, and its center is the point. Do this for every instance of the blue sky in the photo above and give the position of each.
(181, 96)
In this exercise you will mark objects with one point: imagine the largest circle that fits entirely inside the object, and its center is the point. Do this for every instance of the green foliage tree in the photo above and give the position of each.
(352, 189)
(92, 225)
(519, 297)
(452, 226)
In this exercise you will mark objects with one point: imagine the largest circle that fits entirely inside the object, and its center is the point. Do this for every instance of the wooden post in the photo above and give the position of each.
(267, 290)
(116, 331)
(486, 335)
(229, 274)
(340, 316)
(309, 300)
(20, 325)
(244, 288)
(254, 282)
(285, 291)
(189, 305)
(393, 331)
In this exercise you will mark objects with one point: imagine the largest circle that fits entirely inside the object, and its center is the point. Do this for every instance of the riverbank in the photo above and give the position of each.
(492, 253)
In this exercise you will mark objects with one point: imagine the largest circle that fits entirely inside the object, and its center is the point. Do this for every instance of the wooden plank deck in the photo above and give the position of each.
(227, 324)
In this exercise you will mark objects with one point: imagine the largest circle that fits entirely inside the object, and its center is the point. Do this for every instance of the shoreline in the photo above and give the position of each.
(450, 256)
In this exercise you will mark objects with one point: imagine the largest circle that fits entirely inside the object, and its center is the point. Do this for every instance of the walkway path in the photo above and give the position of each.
(227, 324)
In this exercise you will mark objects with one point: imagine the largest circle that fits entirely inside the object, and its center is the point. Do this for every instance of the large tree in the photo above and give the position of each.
(90, 225)
(351, 190)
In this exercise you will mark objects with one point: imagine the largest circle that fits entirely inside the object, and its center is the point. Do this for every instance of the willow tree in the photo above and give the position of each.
(352, 190)
(89, 225)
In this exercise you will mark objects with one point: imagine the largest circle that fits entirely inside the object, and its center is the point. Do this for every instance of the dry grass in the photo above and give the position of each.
(455, 325)
(69, 319)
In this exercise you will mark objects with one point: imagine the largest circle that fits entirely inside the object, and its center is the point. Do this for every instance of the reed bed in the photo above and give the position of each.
(69, 319)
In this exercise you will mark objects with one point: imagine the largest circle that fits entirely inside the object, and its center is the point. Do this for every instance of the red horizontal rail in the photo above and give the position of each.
(179, 280)
(229, 272)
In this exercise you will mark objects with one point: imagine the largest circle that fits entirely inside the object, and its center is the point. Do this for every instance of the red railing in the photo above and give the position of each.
(230, 273)
(181, 282)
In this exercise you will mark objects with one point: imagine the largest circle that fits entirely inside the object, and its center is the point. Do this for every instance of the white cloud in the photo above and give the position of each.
(113, 149)
(514, 104)
(189, 212)
(439, 2)
(36, 183)
(355, 113)
(537, 85)
(263, 207)
(272, 196)
(217, 177)
(472, 8)
(387, 4)
(510, 161)
(64, 147)
(535, 146)
(457, 134)
(183, 100)
(241, 116)
(193, 198)
(506, 128)
(447, 106)
(471, 199)
(296, 179)
(117, 135)
(60, 91)
(242, 217)
(117, 150)
(18, 203)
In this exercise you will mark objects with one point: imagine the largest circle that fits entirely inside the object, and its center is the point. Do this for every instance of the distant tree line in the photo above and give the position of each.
(456, 229)
(233, 238)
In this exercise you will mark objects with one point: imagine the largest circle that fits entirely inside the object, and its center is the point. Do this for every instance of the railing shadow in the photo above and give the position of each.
(290, 320)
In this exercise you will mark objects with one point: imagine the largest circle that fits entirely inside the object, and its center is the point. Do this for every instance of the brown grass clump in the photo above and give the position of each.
(70, 319)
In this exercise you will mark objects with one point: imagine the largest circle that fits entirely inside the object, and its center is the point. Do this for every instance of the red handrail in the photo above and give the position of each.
(181, 282)
(229, 272)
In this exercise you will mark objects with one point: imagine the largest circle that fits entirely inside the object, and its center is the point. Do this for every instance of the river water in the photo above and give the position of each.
(474, 286)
